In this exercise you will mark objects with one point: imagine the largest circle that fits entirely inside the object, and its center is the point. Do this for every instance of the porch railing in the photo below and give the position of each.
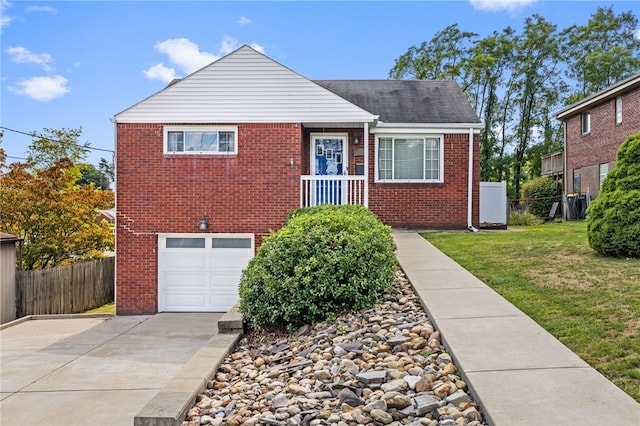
(317, 190)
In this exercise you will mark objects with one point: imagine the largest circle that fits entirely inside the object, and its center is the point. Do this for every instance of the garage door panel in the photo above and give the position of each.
(184, 261)
(184, 281)
(186, 303)
(225, 281)
(201, 277)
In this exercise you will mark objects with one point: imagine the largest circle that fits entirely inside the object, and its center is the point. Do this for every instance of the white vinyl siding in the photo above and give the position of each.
(200, 140)
(409, 159)
(244, 87)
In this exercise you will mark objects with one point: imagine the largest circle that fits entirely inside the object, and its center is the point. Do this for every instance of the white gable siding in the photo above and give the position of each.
(244, 87)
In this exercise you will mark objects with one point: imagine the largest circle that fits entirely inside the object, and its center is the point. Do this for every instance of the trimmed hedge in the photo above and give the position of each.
(538, 194)
(326, 261)
(613, 225)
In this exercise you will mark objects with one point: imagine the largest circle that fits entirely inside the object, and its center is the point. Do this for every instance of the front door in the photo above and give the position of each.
(329, 158)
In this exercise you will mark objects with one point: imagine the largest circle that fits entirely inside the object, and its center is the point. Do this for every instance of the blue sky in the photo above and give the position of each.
(70, 64)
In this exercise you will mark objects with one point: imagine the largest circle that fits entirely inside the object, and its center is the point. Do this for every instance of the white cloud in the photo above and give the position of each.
(160, 72)
(185, 54)
(42, 88)
(498, 5)
(638, 34)
(228, 44)
(45, 9)
(4, 18)
(257, 47)
(243, 20)
(23, 55)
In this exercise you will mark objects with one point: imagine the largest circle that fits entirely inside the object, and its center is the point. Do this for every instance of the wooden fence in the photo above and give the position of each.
(65, 289)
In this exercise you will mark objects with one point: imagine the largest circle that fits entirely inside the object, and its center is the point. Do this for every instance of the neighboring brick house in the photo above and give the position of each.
(594, 129)
(207, 166)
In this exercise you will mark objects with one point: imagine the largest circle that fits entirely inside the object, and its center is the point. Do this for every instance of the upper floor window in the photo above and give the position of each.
(585, 119)
(619, 110)
(200, 140)
(409, 159)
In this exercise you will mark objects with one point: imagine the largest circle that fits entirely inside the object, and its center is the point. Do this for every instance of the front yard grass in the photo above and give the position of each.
(590, 303)
(109, 308)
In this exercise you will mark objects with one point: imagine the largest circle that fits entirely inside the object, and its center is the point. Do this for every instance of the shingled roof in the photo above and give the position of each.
(406, 101)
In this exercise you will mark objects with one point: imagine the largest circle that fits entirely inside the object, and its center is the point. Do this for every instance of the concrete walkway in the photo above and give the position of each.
(518, 372)
(107, 371)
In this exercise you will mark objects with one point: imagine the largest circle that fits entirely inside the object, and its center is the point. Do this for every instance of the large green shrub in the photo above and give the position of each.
(614, 217)
(538, 194)
(325, 261)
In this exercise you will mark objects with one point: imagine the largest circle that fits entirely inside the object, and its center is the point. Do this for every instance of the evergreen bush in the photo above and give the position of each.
(538, 194)
(613, 225)
(326, 261)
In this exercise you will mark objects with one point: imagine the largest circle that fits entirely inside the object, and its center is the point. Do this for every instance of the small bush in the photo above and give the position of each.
(325, 261)
(523, 219)
(613, 226)
(539, 194)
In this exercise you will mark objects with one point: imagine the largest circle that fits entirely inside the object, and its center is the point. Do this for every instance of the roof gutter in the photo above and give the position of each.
(609, 92)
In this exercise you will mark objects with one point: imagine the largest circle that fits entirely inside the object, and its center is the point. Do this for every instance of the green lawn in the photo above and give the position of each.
(590, 303)
(109, 308)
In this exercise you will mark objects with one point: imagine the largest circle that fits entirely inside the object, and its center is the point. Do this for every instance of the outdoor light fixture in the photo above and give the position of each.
(203, 225)
(356, 141)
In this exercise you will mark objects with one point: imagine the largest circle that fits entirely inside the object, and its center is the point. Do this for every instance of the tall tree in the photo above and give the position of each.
(442, 58)
(90, 174)
(52, 145)
(488, 64)
(107, 168)
(536, 68)
(56, 217)
(602, 52)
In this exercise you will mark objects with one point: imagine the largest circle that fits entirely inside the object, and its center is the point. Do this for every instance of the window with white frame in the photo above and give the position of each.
(409, 159)
(604, 169)
(201, 140)
(619, 110)
(585, 119)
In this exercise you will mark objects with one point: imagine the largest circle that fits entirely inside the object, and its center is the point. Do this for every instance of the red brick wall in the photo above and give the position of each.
(602, 143)
(431, 205)
(251, 192)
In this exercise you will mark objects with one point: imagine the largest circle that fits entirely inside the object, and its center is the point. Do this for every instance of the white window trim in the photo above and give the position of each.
(618, 109)
(345, 150)
(408, 136)
(167, 129)
(162, 238)
(582, 126)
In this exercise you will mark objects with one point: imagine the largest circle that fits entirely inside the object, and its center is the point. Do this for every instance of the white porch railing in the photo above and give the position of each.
(317, 190)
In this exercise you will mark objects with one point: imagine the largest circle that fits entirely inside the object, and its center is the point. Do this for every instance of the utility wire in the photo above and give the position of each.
(35, 135)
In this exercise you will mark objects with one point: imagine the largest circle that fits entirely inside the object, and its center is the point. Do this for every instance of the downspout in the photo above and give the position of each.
(565, 182)
(470, 226)
(115, 207)
(366, 164)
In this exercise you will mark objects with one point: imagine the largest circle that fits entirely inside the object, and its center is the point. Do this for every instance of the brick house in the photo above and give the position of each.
(208, 165)
(594, 129)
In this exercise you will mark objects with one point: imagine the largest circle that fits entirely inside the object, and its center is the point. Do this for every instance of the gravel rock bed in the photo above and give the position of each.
(382, 366)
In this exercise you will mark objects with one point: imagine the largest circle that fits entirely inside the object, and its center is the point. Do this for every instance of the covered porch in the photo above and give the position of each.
(335, 164)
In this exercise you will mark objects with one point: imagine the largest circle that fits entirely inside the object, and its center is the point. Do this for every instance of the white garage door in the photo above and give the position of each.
(201, 272)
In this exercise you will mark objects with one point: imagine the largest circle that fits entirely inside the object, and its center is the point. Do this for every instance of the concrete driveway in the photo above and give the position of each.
(98, 371)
